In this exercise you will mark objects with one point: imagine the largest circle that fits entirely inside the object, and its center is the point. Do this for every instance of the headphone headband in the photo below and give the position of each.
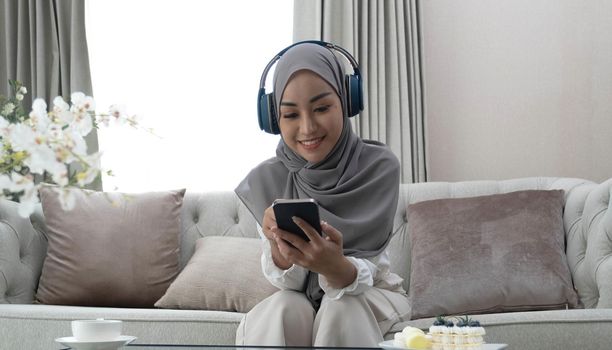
(349, 57)
(266, 108)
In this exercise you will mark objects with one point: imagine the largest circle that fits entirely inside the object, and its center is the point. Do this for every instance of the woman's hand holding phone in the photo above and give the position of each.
(269, 222)
(323, 255)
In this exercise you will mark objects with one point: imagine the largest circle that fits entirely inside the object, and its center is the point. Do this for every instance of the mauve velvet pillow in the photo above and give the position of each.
(496, 253)
(112, 249)
(212, 279)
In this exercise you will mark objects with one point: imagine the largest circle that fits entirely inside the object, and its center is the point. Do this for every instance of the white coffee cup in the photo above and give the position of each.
(96, 330)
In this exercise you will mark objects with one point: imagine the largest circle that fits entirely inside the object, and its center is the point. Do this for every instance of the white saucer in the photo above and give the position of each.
(97, 345)
(388, 345)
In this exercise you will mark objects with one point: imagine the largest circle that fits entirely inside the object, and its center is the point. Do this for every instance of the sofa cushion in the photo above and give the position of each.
(211, 279)
(34, 327)
(112, 249)
(495, 253)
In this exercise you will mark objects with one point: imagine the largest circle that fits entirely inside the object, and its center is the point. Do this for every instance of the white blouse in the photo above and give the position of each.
(371, 272)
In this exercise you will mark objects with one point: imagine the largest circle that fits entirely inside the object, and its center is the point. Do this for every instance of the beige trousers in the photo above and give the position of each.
(286, 318)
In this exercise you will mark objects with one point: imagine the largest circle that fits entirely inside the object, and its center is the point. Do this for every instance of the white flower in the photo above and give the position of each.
(8, 109)
(28, 201)
(68, 144)
(81, 107)
(39, 106)
(117, 111)
(77, 98)
(59, 173)
(66, 197)
(40, 123)
(82, 102)
(80, 146)
(19, 97)
(41, 158)
(23, 90)
(59, 104)
(4, 127)
(82, 123)
(62, 110)
(22, 137)
(90, 174)
(38, 116)
(63, 154)
(5, 182)
(17, 183)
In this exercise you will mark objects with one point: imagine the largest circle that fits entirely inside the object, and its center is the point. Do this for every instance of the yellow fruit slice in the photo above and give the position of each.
(411, 330)
(417, 341)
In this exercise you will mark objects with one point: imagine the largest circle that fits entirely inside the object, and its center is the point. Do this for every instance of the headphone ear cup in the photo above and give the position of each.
(261, 110)
(355, 96)
(266, 113)
(273, 120)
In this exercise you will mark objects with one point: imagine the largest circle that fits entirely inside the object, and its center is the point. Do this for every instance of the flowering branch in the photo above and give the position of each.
(48, 143)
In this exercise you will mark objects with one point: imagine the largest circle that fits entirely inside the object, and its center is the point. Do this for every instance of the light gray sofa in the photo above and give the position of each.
(587, 221)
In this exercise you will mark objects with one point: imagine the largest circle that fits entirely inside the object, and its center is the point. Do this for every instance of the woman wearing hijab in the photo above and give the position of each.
(336, 289)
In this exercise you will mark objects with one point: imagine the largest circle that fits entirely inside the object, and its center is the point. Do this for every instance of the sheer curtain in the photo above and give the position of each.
(44, 46)
(384, 37)
(191, 70)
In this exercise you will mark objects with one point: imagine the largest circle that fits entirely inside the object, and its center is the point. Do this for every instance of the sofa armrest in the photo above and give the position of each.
(598, 226)
(588, 224)
(22, 252)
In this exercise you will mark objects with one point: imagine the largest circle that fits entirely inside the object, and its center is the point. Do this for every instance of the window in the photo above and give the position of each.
(191, 69)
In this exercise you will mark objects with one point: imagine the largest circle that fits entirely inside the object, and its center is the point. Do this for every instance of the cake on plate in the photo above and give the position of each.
(466, 334)
(444, 334)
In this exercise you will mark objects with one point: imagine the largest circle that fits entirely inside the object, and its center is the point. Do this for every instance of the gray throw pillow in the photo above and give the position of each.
(211, 280)
(112, 249)
(486, 254)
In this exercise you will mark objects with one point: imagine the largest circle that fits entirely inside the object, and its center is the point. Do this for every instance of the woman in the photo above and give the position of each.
(336, 289)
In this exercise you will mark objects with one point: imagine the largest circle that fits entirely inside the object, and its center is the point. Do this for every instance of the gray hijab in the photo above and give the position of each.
(356, 185)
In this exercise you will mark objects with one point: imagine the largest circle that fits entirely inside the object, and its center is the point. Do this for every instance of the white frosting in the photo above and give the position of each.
(456, 338)
(436, 329)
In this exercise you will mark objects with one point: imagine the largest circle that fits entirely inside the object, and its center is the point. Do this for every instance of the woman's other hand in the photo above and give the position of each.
(323, 255)
(269, 222)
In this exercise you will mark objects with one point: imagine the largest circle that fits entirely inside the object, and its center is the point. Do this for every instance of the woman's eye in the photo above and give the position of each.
(322, 109)
(290, 115)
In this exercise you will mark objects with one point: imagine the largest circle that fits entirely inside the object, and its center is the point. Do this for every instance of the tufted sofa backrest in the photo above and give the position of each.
(588, 229)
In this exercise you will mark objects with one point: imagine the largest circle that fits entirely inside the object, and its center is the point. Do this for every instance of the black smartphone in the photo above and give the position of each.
(306, 209)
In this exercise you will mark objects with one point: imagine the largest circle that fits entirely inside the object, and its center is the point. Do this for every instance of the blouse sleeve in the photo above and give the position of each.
(293, 278)
(371, 272)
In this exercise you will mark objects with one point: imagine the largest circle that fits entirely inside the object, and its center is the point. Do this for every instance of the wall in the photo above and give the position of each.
(518, 88)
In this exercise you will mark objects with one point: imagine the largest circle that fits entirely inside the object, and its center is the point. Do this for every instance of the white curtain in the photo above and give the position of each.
(43, 45)
(384, 37)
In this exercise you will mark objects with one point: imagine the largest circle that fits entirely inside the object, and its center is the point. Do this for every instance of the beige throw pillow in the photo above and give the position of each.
(486, 254)
(111, 249)
(223, 274)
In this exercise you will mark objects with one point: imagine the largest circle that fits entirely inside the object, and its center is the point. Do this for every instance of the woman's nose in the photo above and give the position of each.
(308, 125)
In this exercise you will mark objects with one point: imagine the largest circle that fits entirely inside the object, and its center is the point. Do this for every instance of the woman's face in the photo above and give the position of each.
(310, 117)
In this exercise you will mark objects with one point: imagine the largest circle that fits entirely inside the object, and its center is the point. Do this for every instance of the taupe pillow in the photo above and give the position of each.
(223, 274)
(486, 254)
(111, 249)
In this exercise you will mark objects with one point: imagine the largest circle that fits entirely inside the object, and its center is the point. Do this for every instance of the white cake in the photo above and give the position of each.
(467, 334)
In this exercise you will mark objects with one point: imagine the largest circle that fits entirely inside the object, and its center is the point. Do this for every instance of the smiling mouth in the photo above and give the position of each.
(311, 143)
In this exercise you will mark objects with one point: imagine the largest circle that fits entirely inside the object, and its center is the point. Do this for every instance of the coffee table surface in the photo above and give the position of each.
(224, 347)
(237, 347)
